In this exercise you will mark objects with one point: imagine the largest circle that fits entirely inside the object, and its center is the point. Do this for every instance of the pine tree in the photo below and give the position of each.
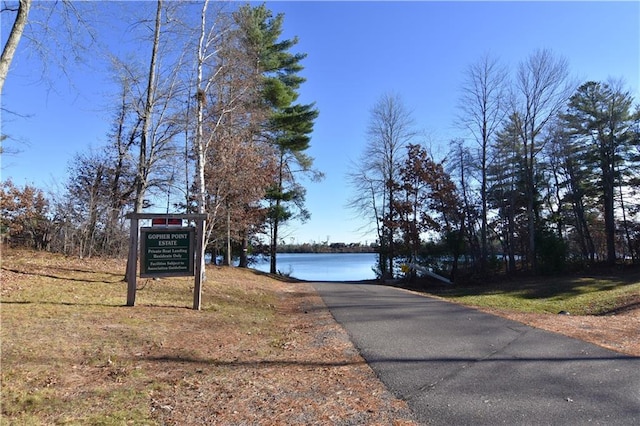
(289, 124)
(600, 117)
(506, 193)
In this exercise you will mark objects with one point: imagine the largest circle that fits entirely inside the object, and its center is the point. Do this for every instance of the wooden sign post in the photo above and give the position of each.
(167, 249)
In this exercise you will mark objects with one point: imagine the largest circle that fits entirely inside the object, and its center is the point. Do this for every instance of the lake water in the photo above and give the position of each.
(324, 266)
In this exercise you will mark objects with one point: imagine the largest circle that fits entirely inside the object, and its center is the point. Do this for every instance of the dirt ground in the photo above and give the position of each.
(317, 378)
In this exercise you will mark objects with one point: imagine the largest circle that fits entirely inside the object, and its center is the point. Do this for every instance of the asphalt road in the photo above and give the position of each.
(458, 366)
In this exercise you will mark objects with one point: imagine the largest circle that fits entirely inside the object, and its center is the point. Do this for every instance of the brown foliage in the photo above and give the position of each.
(24, 219)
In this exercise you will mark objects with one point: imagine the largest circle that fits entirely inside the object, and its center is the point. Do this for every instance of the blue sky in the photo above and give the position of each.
(357, 51)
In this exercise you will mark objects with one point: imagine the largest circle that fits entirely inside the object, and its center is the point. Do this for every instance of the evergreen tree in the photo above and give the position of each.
(577, 190)
(506, 193)
(600, 117)
(289, 124)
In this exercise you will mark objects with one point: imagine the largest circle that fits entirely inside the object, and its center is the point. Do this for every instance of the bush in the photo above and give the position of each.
(551, 252)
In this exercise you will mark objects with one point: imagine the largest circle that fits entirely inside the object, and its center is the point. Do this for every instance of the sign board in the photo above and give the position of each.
(167, 252)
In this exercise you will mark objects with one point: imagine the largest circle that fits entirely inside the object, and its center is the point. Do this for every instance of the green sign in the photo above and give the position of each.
(167, 252)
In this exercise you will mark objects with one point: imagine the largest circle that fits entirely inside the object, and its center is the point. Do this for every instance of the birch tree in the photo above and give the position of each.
(228, 111)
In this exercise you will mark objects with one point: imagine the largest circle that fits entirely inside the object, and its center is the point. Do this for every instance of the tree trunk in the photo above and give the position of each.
(511, 235)
(625, 225)
(274, 246)
(276, 216)
(199, 138)
(14, 38)
(483, 196)
(391, 229)
(531, 217)
(200, 103)
(229, 258)
(609, 213)
(142, 172)
(143, 160)
(244, 259)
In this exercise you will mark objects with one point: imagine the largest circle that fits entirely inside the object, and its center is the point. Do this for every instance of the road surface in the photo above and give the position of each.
(459, 366)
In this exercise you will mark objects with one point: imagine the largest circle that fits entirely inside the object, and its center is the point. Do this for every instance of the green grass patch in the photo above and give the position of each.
(584, 295)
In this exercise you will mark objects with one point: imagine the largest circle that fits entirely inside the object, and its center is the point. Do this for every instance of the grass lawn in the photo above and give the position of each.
(579, 295)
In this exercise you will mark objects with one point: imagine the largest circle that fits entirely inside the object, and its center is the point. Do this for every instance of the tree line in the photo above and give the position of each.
(322, 247)
(206, 119)
(546, 178)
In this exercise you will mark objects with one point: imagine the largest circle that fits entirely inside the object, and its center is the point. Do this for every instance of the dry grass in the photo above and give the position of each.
(261, 351)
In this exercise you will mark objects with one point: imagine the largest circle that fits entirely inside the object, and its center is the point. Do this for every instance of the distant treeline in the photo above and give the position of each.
(324, 248)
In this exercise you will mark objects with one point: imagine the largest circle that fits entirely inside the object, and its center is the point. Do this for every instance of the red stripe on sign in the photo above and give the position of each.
(161, 221)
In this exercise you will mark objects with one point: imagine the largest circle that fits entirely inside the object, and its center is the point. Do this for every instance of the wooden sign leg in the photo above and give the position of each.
(199, 266)
(132, 263)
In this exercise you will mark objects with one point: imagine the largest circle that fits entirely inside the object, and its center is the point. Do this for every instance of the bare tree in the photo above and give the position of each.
(123, 137)
(482, 109)
(10, 47)
(155, 102)
(145, 156)
(541, 90)
(461, 164)
(88, 185)
(390, 130)
(56, 32)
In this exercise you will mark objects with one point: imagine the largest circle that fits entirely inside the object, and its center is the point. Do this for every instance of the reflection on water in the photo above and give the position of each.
(324, 266)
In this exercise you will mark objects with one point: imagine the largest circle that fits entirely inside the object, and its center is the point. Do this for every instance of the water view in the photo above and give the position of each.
(324, 266)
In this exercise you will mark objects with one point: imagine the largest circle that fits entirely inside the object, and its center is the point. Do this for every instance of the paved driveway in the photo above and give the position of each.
(458, 366)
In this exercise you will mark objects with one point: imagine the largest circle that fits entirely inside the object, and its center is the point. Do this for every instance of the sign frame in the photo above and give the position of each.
(172, 253)
(200, 220)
